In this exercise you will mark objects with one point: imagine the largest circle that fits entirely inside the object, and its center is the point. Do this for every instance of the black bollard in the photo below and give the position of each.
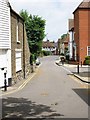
(5, 82)
(78, 68)
(81, 63)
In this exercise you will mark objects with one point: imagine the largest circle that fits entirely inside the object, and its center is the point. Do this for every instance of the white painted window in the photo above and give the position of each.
(18, 61)
(88, 51)
(17, 31)
(3, 58)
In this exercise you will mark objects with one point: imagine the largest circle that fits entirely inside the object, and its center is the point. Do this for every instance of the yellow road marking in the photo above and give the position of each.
(20, 87)
(82, 85)
(23, 85)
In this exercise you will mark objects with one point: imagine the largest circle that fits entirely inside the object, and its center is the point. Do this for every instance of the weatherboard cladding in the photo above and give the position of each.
(4, 25)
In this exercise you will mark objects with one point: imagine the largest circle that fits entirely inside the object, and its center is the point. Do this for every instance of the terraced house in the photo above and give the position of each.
(14, 51)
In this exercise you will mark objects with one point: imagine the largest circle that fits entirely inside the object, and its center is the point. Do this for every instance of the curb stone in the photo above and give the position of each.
(76, 75)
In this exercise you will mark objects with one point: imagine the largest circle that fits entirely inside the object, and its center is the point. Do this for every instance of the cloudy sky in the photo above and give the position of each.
(55, 12)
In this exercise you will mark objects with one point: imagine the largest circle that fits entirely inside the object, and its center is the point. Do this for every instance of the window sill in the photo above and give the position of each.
(18, 71)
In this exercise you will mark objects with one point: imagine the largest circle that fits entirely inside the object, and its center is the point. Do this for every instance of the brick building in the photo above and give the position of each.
(14, 50)
(49, 46)
(63, 43)
(19, 48)
(82, 30)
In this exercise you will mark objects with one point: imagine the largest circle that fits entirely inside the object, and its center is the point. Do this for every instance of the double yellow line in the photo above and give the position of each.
(20, 87)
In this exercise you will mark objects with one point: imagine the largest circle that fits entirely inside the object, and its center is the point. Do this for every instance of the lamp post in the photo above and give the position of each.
(78, 68)
(81, 58)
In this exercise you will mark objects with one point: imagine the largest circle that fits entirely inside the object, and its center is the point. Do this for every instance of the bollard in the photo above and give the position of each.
(81, 63)
(78, 68)
(5, 82)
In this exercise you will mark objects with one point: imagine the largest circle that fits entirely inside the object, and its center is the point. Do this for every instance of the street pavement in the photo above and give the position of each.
(84, 71)
(51, 92)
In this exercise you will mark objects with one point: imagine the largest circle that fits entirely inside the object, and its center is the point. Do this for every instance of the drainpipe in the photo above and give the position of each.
(23, 52)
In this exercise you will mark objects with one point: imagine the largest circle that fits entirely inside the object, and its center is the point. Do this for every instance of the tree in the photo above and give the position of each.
(35, 29)
(63, 36)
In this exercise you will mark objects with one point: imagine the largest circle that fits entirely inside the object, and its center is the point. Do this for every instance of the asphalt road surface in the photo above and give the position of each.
(51, 93)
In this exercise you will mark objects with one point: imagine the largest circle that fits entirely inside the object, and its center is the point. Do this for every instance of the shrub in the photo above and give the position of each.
(46, 53)
(87, 60)
(67, 57)
(62, 54)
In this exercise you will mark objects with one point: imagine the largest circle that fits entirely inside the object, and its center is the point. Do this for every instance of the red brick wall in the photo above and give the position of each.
(89, 28)
(82, 28)
(83, 33)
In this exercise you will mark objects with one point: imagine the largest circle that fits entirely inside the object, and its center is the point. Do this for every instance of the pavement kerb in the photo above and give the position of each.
(81, 79)
(77, 76)
(16, 88)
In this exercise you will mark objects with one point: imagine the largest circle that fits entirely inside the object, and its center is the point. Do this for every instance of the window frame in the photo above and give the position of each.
(88, 50)
(18, 59)
(17, 31)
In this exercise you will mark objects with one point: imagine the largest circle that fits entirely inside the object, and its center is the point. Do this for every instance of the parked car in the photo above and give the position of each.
(37, 61)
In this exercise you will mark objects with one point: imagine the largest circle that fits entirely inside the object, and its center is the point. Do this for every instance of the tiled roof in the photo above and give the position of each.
(85, 4)
(48, 44)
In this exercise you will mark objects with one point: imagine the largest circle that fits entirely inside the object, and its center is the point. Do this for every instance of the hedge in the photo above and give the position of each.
(87, 60)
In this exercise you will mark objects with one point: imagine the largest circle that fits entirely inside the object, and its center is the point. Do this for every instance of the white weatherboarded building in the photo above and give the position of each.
(5, 42)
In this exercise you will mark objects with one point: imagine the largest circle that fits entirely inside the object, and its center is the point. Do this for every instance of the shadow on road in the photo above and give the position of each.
(23, 108)
(84, 94)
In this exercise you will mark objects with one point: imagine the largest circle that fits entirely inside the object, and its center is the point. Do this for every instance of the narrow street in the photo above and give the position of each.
(51, 93)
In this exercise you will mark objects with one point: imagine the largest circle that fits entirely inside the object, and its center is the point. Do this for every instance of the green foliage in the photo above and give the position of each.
(46, 53)
(31, 59)
(62, 54)
(67, 57)
(63, 36)
(35, 28)
(87, 60)
(24, 15)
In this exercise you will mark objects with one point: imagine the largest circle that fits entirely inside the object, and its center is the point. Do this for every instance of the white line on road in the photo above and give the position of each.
(66, 69)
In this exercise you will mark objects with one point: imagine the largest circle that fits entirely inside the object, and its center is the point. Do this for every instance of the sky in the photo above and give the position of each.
(55, 12)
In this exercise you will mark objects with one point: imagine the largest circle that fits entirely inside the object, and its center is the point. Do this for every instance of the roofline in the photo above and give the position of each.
(11, 10)
(80, 8)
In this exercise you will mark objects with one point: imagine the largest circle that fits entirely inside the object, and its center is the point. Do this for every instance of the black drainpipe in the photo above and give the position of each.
(23, 52)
